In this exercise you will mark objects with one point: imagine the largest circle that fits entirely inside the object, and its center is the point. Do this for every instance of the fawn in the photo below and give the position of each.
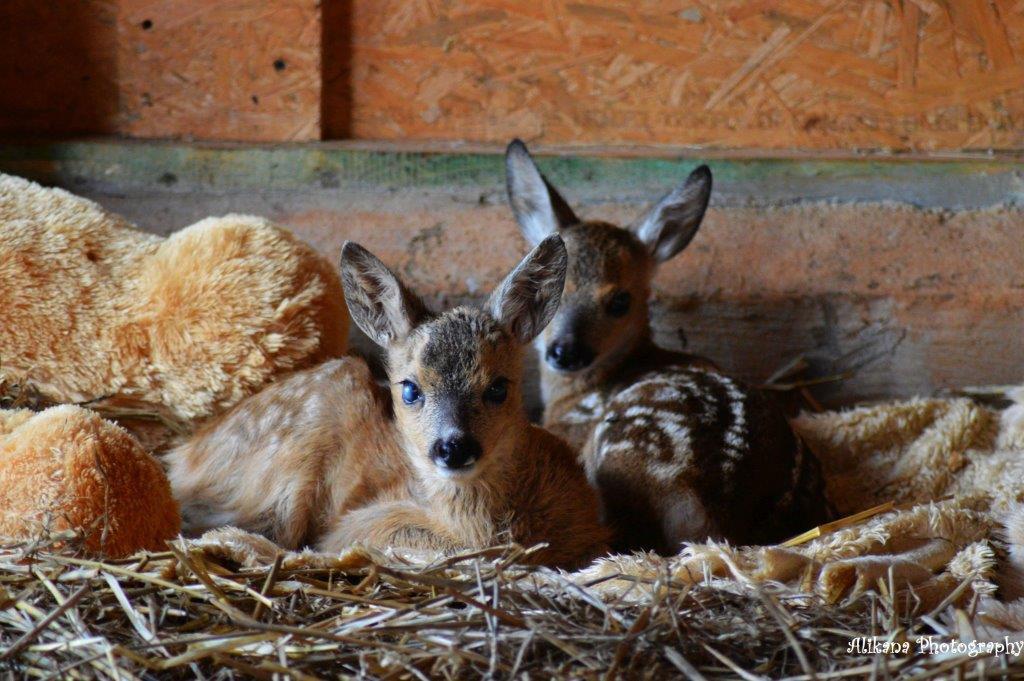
(677, 450)
(445, 459)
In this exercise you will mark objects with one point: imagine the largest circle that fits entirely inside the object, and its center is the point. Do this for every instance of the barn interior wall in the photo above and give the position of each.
(881, 75)
(876, 230)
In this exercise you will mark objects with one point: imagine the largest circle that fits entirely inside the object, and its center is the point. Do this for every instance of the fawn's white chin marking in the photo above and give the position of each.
(561, 370)
(465, 472)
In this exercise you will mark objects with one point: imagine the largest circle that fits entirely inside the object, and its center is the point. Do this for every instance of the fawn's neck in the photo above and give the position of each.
(477, 507)
(558, 387)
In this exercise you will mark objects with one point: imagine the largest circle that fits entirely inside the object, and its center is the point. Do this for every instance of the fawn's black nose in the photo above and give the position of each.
(460, 451)
(569, 355)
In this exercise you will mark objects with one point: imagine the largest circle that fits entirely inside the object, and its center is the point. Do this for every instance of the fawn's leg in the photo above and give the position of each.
(390, 524)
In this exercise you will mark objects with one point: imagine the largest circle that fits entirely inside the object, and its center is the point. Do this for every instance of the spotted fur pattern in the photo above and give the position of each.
(684, 453)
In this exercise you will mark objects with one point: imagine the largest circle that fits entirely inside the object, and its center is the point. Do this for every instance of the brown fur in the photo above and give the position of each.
(326, 457)
(92, 308)
(678, 450)
(67, 469)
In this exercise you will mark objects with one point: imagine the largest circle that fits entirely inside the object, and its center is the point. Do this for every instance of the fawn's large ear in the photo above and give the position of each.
(379, 303)
(539, 209)
(528, 298)
(673, 221)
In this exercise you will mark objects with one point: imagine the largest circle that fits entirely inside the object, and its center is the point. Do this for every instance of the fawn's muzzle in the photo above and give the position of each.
(569, 355)
(460, 451)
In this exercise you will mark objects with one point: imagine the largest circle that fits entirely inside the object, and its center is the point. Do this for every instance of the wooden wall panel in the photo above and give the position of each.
(919, 75)
(814, 74)
(57, 67)
(232, 69)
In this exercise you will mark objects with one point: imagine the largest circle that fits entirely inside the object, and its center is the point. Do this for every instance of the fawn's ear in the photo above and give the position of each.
(379, 303)
(673, 221)
(539, 209)
(528, 298)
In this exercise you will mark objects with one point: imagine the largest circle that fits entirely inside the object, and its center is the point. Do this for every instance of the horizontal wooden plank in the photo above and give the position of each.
(183, 168)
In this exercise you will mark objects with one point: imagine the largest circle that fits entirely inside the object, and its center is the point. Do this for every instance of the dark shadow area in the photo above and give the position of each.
(58, 64)
(336, 65)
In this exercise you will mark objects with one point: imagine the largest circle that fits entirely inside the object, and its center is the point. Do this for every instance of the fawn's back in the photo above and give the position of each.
(681, 453)
(285, 461)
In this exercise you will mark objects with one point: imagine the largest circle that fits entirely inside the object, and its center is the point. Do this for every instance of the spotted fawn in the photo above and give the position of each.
(678, 451)
(442, 459)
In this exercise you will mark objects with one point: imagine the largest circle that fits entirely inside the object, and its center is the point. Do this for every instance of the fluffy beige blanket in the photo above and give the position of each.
(953, 470)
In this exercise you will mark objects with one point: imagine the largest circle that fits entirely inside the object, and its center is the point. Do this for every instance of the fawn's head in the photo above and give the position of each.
(603, 313)
(455, 377)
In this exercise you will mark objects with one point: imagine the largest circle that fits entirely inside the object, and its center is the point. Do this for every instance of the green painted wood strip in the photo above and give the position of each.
(179, 167)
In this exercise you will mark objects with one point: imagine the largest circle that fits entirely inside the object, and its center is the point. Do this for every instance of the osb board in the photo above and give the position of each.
(813, 74)
(57, 67)
(232, 69)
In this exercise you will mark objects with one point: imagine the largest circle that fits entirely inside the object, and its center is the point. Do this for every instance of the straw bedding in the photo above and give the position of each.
(231, 604)
(192, 611)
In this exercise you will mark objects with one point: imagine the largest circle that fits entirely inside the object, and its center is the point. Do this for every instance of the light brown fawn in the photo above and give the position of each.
(678, 451)
(445, 459)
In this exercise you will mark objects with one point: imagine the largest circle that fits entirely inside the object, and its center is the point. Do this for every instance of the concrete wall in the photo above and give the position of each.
(910, 282)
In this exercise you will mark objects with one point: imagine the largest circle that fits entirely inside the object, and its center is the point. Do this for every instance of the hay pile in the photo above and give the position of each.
(233, 606)
(193, 613)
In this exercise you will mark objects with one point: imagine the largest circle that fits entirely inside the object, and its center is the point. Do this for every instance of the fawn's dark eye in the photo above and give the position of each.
(497, 391)
(411, 392)
(618, 304)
